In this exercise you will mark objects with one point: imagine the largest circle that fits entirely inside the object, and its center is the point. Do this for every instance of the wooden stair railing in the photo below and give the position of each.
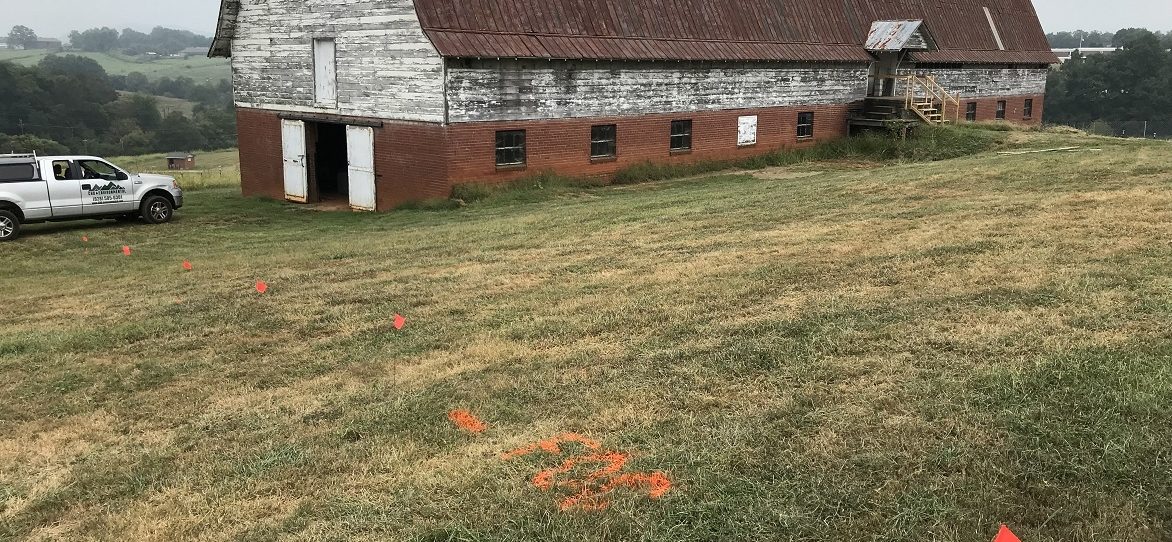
(924, 94)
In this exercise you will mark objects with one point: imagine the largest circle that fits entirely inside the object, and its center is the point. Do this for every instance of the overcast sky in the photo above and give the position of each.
(55, 18)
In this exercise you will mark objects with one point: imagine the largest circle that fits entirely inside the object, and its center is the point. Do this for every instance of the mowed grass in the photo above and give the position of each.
(901, 351)
(214, 169)
(200, 69)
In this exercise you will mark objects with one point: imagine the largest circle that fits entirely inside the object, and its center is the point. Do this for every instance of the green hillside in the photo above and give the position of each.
(849, 350)
(199, 69)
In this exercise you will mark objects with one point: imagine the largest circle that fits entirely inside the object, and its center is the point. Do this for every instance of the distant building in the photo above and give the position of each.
(1065, 54)
(194, 51)
(51, 44)
(180, 160)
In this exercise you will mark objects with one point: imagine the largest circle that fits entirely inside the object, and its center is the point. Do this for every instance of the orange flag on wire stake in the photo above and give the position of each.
(1005, 535)
(399, 321)
(126, 250)
(262, 286)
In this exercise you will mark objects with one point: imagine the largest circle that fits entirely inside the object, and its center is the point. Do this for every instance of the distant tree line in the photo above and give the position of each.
(164, 41)
(70, 103)
(1082, 38)
(1098, 91)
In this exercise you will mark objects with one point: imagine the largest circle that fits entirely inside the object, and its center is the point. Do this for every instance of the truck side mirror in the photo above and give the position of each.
(122, 176)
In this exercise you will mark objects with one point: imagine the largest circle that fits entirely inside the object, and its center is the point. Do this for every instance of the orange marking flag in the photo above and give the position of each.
(187, 265)
(262, 286)
(126, 250)
(1005, 535)
(467, 421)
(399, 321)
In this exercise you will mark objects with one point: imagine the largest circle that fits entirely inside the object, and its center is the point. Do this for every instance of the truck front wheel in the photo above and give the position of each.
(157, 210)
(9, 225)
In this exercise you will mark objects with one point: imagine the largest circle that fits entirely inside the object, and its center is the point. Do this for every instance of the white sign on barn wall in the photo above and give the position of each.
(747, 130)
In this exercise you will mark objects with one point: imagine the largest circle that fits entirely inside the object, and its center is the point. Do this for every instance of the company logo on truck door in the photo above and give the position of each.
(110, 192)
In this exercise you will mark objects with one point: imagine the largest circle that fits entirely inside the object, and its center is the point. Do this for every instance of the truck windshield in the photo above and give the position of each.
(16, 173)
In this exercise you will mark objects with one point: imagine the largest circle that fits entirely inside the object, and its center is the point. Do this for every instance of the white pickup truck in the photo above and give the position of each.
(57, 188)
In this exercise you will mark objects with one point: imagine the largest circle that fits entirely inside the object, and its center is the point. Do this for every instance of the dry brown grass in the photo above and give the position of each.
(912, 351)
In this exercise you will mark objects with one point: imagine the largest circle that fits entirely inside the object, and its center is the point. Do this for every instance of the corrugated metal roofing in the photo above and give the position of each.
(725, 30)
(894, 36)
(718, 30)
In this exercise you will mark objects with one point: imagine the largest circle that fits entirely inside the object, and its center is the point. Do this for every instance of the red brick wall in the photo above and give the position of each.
(410, 163)
(410, 159)
(1014, 106)
(261, 169)
(416, 161)
(563, 145)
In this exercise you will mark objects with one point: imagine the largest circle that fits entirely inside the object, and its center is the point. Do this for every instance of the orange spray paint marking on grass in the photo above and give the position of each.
(126, 250)
(551, 445)
(591, 490)
(187, 265)
(467, 421)
(262, 286)
(399, 321)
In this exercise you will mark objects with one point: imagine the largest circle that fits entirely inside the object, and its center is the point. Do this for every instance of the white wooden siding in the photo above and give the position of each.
(979, 82)
(386, 67)
(493, 90)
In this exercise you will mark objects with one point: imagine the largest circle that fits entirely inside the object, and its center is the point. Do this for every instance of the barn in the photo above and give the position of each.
(382, 102)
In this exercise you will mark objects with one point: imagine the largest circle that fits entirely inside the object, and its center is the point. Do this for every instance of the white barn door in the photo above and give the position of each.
(325, 72)
(293, 158)
(360, 153)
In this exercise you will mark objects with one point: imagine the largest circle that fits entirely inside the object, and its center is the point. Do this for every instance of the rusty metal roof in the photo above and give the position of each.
(896, 36)
(727, 30)
(716, 30)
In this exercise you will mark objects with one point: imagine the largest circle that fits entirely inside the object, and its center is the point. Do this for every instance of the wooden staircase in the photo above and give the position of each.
(930, 101)
(921, 100)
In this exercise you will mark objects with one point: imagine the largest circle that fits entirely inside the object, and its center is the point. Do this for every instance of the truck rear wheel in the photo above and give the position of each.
(157, 210)
(9, 225)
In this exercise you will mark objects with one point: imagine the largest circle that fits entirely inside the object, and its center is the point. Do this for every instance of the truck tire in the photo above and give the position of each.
(156, 209)
(9, 225)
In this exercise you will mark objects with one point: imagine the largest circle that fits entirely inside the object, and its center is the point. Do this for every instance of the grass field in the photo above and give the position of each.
(167, 104)
(199, 69)
(215, 169)
(832, 351)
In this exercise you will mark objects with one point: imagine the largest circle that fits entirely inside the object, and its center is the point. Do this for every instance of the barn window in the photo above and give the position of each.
(1027, 111)
(681, 135)
(602, 141)
(1001, 109)
(805, 124)
(970, 111)
(746, 130)
(325, 73)
(510, 148)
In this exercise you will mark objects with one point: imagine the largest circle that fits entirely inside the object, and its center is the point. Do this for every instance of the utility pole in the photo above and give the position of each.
(1145, 129)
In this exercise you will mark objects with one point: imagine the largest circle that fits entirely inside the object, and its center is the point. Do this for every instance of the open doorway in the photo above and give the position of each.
(329, 164)
(883, 74)
(329, 180)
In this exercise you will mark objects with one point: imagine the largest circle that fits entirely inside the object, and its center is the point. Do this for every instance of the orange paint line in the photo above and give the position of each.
(551, 445)
(467, 421)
